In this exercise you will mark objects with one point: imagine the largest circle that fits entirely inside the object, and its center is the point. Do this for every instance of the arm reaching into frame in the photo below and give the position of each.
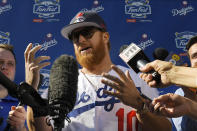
(170, 74)
(173, 105)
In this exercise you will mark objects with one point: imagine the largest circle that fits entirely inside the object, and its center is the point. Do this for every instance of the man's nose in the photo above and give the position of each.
(82, 39)
(3, 66)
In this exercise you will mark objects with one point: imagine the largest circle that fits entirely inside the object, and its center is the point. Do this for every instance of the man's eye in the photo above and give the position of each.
(11, 64)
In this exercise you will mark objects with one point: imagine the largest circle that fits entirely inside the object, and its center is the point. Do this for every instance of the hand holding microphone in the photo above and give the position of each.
(162, 67)
(135, 58)
(17, 117)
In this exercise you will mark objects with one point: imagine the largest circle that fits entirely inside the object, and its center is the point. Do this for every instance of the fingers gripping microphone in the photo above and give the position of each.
(135, 58)
(62, 89)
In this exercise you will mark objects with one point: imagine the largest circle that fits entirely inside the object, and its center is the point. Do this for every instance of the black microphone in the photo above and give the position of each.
(9, 85)
(63, 89)
(160, 54)
(122, 48)
(135, 58)
(25, 93)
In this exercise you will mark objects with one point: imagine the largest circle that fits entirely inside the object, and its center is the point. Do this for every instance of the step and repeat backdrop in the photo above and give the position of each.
(150, 24)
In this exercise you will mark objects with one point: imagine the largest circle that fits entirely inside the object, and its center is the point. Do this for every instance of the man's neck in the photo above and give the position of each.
(104, 66)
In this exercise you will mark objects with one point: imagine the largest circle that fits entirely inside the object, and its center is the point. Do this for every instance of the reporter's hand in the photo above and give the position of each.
(33, 65)
(16, 118)
(125, 88)
(162, 67)
(171, 105)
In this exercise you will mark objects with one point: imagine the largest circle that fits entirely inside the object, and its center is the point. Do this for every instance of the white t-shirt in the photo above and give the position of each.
(95, 111)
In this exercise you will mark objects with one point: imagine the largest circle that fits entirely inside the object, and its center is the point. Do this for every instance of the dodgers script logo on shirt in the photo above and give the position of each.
(4, 37)
(46, 10)
(4, 6)
(108, 104)
(182, 38)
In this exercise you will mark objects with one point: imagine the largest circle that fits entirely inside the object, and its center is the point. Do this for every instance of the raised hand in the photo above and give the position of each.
(33, 65)
(124, 86)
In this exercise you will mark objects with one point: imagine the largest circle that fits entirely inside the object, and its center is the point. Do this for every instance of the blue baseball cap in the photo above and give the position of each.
(83, 19)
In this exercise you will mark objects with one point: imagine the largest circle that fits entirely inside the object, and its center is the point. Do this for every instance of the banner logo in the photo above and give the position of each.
(4, 37)
(45, 81)
(95, 8)
(138, 10)
(46, 9)
(182, 38)
(5, 6)
(48, 41)
(184, 10)
(145, 42)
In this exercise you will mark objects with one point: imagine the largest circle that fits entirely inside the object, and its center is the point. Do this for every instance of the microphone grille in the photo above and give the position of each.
(63, 82)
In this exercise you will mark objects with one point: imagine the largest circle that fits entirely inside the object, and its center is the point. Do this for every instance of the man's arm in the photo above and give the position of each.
(127, 92)
(173, 105)
(150, 120)
(41, 124)
(32, 76)
(170, 74)
(184, 76)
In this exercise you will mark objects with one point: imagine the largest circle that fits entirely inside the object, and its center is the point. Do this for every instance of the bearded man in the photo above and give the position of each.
(94, 110)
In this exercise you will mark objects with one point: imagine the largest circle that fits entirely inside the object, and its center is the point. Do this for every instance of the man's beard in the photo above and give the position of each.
(94, 58)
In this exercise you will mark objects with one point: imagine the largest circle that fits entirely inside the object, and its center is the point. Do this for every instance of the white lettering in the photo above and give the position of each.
(141, 9)
(147, 43)
(5, 8)
(48, 9)
(182, 11)
(48, 44)
(97, 9)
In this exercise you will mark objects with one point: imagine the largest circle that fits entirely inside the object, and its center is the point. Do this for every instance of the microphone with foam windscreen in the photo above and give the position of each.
(135, 58)
(63, 89)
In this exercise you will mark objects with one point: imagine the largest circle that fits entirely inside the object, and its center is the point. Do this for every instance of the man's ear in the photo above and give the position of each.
(106, 37)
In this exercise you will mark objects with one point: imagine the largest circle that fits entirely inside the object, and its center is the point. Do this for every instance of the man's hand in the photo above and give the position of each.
(171, 105)
(125, 88)
(33, 65)
(17, 117)
(162, 68)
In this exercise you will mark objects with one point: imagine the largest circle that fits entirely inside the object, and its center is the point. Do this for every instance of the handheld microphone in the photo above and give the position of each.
(160, 53)
(9, 85)
(25, 93)
(135, 58)
(63, 89)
